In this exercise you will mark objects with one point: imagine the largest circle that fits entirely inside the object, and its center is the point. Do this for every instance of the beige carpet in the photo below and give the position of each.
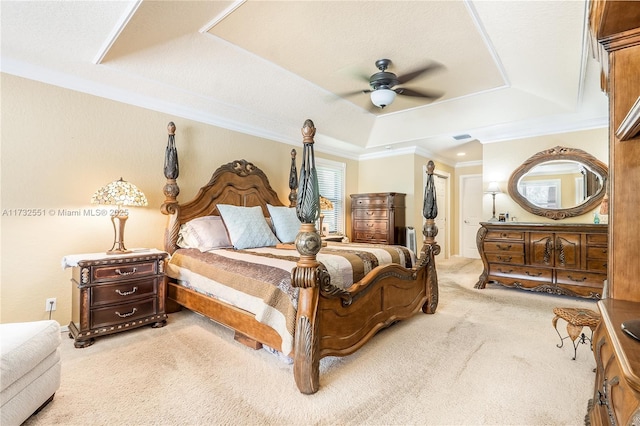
(486, 357)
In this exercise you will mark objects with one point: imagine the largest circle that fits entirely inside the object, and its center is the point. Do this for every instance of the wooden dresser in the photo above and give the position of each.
(564, 259)
(378, 218)
(116, 293)
(615, 25)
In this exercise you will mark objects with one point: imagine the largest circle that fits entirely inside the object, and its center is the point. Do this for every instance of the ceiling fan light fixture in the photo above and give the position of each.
(382, 97)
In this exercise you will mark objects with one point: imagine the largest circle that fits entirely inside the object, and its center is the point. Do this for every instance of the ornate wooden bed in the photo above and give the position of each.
(329, 321)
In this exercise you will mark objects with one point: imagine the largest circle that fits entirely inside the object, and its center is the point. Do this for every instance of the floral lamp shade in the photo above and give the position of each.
(119, 193)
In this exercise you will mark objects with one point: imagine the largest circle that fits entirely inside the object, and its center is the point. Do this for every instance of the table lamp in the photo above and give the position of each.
(325, 204)
(119, 193)
(493, 189)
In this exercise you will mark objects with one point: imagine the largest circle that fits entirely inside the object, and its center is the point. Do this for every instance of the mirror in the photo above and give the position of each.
(559, 183)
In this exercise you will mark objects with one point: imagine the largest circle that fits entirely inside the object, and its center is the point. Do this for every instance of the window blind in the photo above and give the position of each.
(331, 180)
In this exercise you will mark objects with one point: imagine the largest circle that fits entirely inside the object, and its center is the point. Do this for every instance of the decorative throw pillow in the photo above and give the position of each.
(285, 222)
(247, 226)
(204, 233)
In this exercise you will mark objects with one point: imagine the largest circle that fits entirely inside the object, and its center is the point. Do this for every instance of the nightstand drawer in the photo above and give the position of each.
(108, 316)
(123, 292)
(123, 271)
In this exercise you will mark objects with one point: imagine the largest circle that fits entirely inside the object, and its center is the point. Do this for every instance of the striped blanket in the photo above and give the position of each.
(259, 280)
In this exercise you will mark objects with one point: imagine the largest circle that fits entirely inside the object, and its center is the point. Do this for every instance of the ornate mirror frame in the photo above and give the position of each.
(559, 154)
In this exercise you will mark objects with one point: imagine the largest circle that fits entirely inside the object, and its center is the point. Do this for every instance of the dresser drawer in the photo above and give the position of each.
(371, 214)
(504, 247)
(370, 237)
(378, 226)
(123, 271)
(516, 259)
(601, 239)
(107, 316)
(372, 201)
(106, 294)
(580, 278)
(598, 265)
(597, 253)
(505, 235)
(524, 272)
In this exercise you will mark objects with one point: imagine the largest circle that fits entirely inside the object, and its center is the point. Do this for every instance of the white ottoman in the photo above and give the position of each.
(29, 368)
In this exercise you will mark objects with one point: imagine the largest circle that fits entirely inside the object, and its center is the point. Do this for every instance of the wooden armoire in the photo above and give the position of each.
(615, 31)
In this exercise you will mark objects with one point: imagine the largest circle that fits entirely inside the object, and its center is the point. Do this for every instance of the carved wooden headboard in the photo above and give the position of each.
(239, 183)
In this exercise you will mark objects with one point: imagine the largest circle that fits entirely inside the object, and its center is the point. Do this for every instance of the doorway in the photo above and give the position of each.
(470, 214)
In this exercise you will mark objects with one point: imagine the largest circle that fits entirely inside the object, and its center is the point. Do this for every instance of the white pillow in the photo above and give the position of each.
(285, 222)
(247, 226)
(204, 233)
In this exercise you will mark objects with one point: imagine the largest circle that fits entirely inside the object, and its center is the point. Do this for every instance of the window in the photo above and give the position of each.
(331, 177)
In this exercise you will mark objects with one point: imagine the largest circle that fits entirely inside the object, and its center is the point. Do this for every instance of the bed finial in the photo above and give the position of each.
(293, 180)
(171, 170)
(171, 190)
(430, 247)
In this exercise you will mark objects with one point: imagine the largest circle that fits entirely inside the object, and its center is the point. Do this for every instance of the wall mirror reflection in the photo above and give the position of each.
(559, 183)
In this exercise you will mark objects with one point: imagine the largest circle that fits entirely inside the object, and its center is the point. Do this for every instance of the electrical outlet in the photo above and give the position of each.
(50, 304)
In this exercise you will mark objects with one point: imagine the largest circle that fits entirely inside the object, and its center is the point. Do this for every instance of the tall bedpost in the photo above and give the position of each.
(430, 248)
(171, 189)
(306, 274)
(293, 180)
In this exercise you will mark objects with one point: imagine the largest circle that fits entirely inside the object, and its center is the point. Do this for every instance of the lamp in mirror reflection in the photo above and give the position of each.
(493, 189)
(325, 204)
(120, 194)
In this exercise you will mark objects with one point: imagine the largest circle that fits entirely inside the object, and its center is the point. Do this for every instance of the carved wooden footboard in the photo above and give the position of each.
(330, 321)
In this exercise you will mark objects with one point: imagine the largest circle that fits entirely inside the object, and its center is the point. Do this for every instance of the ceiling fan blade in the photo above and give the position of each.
(412, 92)
(355, 92)
(405, 78)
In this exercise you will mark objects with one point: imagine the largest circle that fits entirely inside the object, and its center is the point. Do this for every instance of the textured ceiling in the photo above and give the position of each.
(508, 69)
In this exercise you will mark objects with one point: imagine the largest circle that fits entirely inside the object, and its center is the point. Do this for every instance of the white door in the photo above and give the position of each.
(441, 182)
(470, 214)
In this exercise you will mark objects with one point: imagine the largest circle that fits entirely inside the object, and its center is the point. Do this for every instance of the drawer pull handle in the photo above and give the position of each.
(503, 248)
(505, 272)
(127, 293)
(578, 280)
(370, 225)
(127, 315)
(505, 259)
(533, 275)
(132, 271)
(370, 213)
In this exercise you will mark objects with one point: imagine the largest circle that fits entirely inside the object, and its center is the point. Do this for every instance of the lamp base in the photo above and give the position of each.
(118, 235)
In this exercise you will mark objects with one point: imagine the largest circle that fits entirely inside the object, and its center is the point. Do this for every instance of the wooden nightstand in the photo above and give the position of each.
(114, 293)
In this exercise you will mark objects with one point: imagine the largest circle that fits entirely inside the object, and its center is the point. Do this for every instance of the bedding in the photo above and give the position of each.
(258, 280)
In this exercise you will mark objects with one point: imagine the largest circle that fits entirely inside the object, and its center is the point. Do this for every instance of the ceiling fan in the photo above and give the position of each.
(383, 90)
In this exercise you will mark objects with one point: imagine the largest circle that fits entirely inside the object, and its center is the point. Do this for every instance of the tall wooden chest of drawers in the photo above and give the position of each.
(565, 259)
(115, 293)
(378, 218)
